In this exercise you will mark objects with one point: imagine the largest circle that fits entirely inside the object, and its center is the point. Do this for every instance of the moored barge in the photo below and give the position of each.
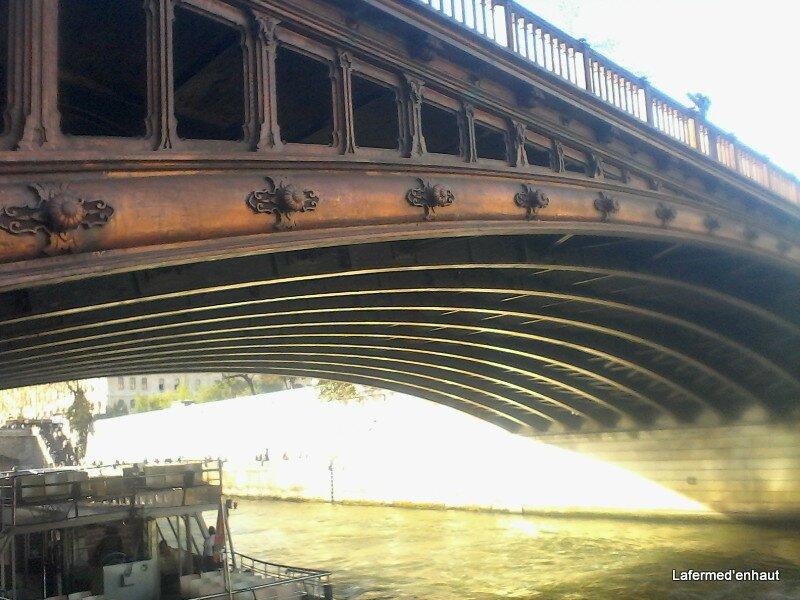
(132, 532)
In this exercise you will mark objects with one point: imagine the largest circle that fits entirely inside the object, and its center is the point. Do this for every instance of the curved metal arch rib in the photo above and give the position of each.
(713, 295)
(604, 355)
(648, 313)
(599, 377)
(461, 344)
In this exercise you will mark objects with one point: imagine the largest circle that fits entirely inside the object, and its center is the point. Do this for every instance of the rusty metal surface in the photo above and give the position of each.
(602, 276)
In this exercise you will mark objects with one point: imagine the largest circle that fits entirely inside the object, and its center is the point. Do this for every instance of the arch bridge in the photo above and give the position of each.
(450, 198)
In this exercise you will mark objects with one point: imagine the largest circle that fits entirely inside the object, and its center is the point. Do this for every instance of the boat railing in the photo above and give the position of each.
(518, 30)
(296, 582)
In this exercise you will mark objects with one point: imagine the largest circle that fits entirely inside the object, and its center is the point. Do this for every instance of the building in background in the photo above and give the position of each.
(52, 399)
(105, 393)
(124, 390)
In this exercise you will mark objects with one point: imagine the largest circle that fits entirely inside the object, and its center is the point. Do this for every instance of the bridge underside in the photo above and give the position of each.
(553, 331)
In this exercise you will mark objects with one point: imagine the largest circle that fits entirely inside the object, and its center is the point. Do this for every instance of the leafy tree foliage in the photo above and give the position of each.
(118, 410)
(231, 385)
(338, 391)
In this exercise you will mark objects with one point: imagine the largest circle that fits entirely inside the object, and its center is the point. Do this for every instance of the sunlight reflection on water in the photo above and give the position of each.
(403, 554)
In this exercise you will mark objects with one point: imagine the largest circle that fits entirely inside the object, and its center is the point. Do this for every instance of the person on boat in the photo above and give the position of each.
(209, 547)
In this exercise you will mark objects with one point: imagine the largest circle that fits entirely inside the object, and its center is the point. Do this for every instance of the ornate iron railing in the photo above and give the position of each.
(512, 26)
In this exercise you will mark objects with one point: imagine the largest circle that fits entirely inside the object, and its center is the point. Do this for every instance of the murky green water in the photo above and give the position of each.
(393, 553)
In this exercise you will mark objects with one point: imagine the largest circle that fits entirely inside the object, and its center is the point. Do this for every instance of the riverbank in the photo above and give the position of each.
(402, 451)
(349, 483)
(624, 515)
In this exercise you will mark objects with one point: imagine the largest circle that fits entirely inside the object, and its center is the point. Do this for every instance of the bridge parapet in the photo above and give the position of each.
(517, 29)
(366, 88)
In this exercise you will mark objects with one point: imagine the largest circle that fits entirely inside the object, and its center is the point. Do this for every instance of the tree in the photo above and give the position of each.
(161, 400)
(247, 378)
(120, 409)
(338, 391)
(79, 415)
(233, 385)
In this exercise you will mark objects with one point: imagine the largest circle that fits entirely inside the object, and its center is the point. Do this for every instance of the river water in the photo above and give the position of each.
(403, 554)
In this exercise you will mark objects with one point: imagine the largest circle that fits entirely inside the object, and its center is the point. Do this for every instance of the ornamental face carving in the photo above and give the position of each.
(606, 206)
(59, 213)
(429, 197)
(665, 214)
(531, 200)
(282, 200)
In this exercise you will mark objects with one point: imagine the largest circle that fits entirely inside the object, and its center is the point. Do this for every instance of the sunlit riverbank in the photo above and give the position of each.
(396, 450)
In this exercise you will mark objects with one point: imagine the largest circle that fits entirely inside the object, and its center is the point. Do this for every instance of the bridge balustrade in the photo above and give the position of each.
(510, 25)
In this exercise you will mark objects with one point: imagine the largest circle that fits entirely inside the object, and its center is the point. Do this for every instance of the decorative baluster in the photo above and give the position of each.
(527, 44)
(623, 93)
(596, 80)
(600, 78)
(511, 42)
(641, 104)
(586, 55)
(648, 100)
(528, 40)
(687, 130)
(569, 58)
(673, 122)
(659, 120)
(474, 9)
(492, 15)
(572, 65)
(555, 51)
(615, 90)
(637, 100)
